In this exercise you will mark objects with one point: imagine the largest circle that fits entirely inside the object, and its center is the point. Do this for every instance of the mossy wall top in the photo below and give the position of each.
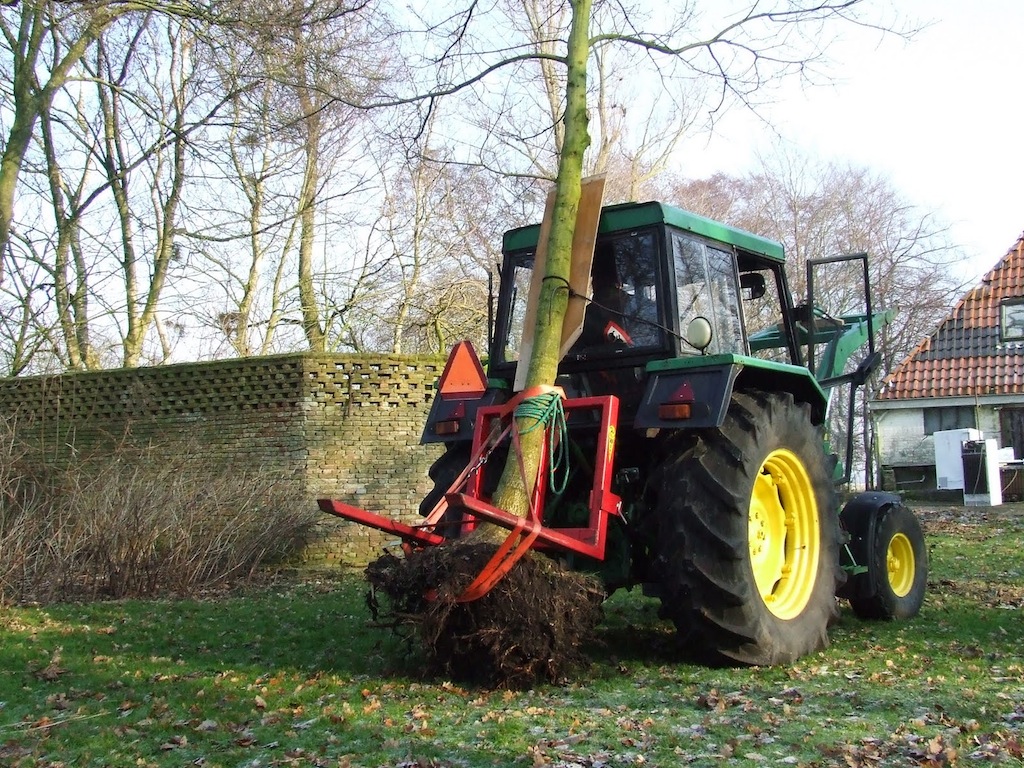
(348, 424)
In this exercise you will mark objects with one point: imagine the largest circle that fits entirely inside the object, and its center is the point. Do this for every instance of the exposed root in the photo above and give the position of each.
(530, 627)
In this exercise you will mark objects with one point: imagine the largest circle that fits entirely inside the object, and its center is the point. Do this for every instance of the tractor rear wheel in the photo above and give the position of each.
(749, 535)
(898, 561)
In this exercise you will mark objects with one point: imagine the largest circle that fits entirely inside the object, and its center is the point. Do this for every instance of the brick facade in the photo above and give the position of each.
(348, 425)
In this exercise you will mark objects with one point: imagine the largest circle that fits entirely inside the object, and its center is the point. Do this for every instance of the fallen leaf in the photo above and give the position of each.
(52, 670)
(175, 742)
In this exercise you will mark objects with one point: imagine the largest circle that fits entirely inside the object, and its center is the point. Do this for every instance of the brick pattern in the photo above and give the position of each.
(964, 356)
(348, 425)
(363, 423)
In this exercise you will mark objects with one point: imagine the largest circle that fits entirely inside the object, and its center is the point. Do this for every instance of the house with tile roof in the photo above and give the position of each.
(969, 373)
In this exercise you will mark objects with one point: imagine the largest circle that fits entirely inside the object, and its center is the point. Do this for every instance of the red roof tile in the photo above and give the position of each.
(964, 356)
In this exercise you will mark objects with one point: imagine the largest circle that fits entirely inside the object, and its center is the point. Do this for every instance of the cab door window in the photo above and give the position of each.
(705, 278)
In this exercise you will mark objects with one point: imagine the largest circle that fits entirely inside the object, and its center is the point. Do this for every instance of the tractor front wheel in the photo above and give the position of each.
(749, 546)
(897, 561)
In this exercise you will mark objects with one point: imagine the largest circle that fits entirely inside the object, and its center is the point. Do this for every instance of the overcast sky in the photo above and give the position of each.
(942, 116)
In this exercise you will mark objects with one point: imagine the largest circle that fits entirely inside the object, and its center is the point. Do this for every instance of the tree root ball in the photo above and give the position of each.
(530, 627)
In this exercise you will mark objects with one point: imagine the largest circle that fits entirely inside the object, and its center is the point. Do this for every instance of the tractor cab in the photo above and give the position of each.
(665, 284)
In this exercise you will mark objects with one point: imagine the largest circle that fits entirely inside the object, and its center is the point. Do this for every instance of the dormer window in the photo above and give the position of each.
(1011, 320)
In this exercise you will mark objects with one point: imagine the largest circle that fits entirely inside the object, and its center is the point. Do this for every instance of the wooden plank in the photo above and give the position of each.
(533, 297)
(584, 236)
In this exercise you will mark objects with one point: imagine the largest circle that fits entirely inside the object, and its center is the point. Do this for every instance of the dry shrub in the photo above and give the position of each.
(139, 522)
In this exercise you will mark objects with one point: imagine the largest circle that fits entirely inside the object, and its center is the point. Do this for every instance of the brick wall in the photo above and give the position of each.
(363, 418)
(348, 425)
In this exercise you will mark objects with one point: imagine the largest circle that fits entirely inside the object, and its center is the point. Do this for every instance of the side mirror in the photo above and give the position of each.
(752, 285)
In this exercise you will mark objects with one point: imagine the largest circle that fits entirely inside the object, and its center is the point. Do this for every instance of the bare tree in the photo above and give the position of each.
(244, 225)
(297, 156)
(307, 63)
(307, 73)
(137, 106)
(122, 104)
(123, 141)
(48, 40)
(25, 335)
(43, 44)
(633, 133)
(69, 267)
(439, 232)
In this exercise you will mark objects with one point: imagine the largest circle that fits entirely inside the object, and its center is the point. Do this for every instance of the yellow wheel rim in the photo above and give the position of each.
(784, 534)
(900, 565)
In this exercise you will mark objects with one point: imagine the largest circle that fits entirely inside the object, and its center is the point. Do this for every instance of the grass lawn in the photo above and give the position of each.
(291, 674)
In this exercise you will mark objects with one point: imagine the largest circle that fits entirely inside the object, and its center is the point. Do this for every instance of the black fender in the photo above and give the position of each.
(706, 390)
(859, 518)
(460, 412)
(706, 384)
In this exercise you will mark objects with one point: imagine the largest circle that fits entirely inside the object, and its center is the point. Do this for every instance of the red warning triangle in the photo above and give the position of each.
(684, 394)
(463, 376)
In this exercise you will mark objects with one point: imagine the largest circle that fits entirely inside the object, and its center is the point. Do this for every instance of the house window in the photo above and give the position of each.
(950, 417)
(1011, 430)
(1011, 320)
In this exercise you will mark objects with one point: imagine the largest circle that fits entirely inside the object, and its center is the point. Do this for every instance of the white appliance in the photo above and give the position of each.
(949, 466)
(982, 484)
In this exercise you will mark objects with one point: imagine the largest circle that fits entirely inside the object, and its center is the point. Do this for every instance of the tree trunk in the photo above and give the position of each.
(511, 494)
(30, 98)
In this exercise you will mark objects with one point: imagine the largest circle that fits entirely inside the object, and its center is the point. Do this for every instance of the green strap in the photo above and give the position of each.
(547, 413)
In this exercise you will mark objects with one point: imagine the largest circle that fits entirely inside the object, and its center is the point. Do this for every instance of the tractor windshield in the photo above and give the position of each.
(623, 311)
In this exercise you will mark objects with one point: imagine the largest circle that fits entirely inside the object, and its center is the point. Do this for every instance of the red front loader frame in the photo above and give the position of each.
(494, 425)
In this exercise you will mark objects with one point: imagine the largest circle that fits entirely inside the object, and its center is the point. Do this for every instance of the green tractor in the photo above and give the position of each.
(688, 452)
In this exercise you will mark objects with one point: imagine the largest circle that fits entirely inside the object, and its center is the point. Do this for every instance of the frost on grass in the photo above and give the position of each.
(531, 627)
